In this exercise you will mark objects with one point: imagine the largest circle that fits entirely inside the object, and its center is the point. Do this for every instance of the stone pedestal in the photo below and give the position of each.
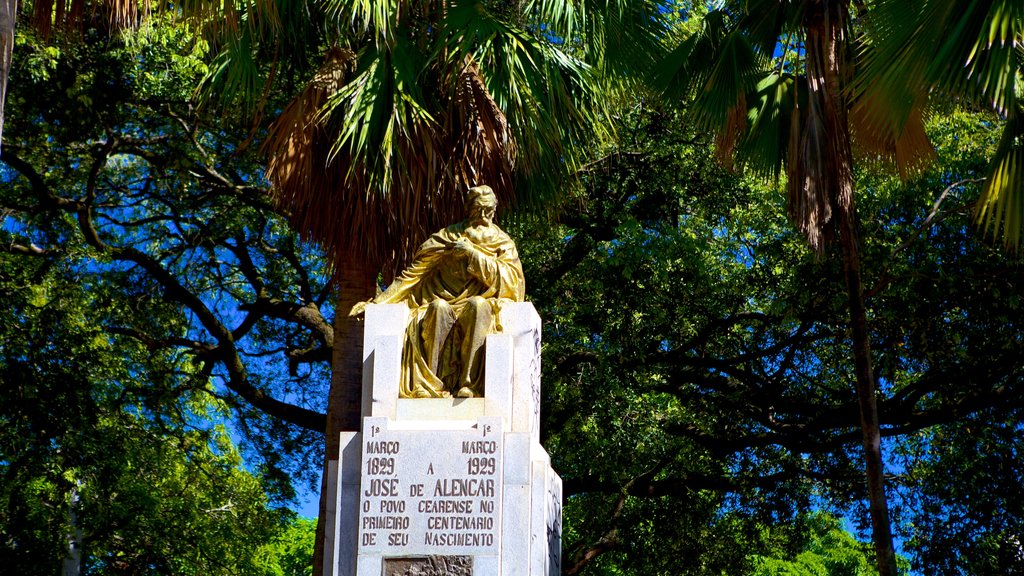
(447, 487)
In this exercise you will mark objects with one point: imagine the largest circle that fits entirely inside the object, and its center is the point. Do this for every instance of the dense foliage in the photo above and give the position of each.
(695, 355)
(113, 456)
(697, 388)
(113, 443)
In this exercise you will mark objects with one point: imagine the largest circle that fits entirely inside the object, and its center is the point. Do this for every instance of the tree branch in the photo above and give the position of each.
(226, 350)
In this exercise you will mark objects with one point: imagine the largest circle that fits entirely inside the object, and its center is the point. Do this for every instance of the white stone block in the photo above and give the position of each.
(332, 521)
(498, 371)
(518, 318)
(370, 565)
(428, 425)
(345, 483)
(431, 492)
(384, 319)
(520, 321)
(518, 449)
(486, 566)
(351, 453)
(515, 531)
(554, 523)
(440, 409)
(387, 373)
(348, 528)
(538, 455)
(388, 321)
(538, 559)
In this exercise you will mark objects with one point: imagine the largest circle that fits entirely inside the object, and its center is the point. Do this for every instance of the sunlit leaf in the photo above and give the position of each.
(1000, 209)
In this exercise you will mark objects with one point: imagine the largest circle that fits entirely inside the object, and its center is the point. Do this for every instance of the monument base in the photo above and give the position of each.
(448, 486)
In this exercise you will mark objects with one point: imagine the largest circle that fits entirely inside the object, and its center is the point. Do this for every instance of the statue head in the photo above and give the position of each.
(481, 204)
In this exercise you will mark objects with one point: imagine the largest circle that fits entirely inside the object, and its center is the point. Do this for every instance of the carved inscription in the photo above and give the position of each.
(430, 566)
(430, 491)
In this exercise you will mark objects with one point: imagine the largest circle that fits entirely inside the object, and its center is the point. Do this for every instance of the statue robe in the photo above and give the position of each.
(492, 272)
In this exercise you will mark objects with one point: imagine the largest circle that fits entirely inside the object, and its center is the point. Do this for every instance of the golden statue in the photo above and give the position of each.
(454, 288)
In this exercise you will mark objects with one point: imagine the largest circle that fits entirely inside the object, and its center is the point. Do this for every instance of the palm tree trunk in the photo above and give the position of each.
(870, 429)
(357, 282)
(827, 25)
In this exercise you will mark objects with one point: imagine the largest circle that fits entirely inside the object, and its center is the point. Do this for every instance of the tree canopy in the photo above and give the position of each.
(696, 348)
(697, 399)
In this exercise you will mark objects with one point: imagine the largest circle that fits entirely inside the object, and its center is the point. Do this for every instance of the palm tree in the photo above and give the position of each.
(411, 102)
(415, 101)
(380, 146)
(772, 79)
(788, 84)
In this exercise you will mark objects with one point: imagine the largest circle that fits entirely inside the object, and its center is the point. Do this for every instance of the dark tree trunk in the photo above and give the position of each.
(357, 282)
(872, 437)
(827, 172)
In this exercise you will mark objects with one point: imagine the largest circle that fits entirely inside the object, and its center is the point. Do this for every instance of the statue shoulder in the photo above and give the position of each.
(441, 239)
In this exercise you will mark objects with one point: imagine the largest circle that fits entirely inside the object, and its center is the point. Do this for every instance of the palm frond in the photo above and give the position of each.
(1000, 210)
(970, 50)
(382, 106)
(621, 38)
(288, 144)
(686, 68)
(297, 149)
(484, 151)
(49, 16)
(892, 57)
(764, 22)
(984, 40)
(378, 18)
(234, 75)
(718, 67)
(965, 49)
(731, 132)
(887, 128)
(723, 66)
(765, 147)
(367, 179)
(736, 71)
(224, 20)
(537, 85)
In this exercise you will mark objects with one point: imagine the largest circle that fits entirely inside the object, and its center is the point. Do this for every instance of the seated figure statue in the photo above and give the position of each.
(454, 288)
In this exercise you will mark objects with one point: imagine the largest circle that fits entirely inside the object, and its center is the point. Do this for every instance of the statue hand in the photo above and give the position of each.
(359, 308)
(462, 248)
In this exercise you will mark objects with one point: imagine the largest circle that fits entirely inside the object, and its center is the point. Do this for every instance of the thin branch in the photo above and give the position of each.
(29, 250)
(610, 539)
(616, 156)
(934, 212)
